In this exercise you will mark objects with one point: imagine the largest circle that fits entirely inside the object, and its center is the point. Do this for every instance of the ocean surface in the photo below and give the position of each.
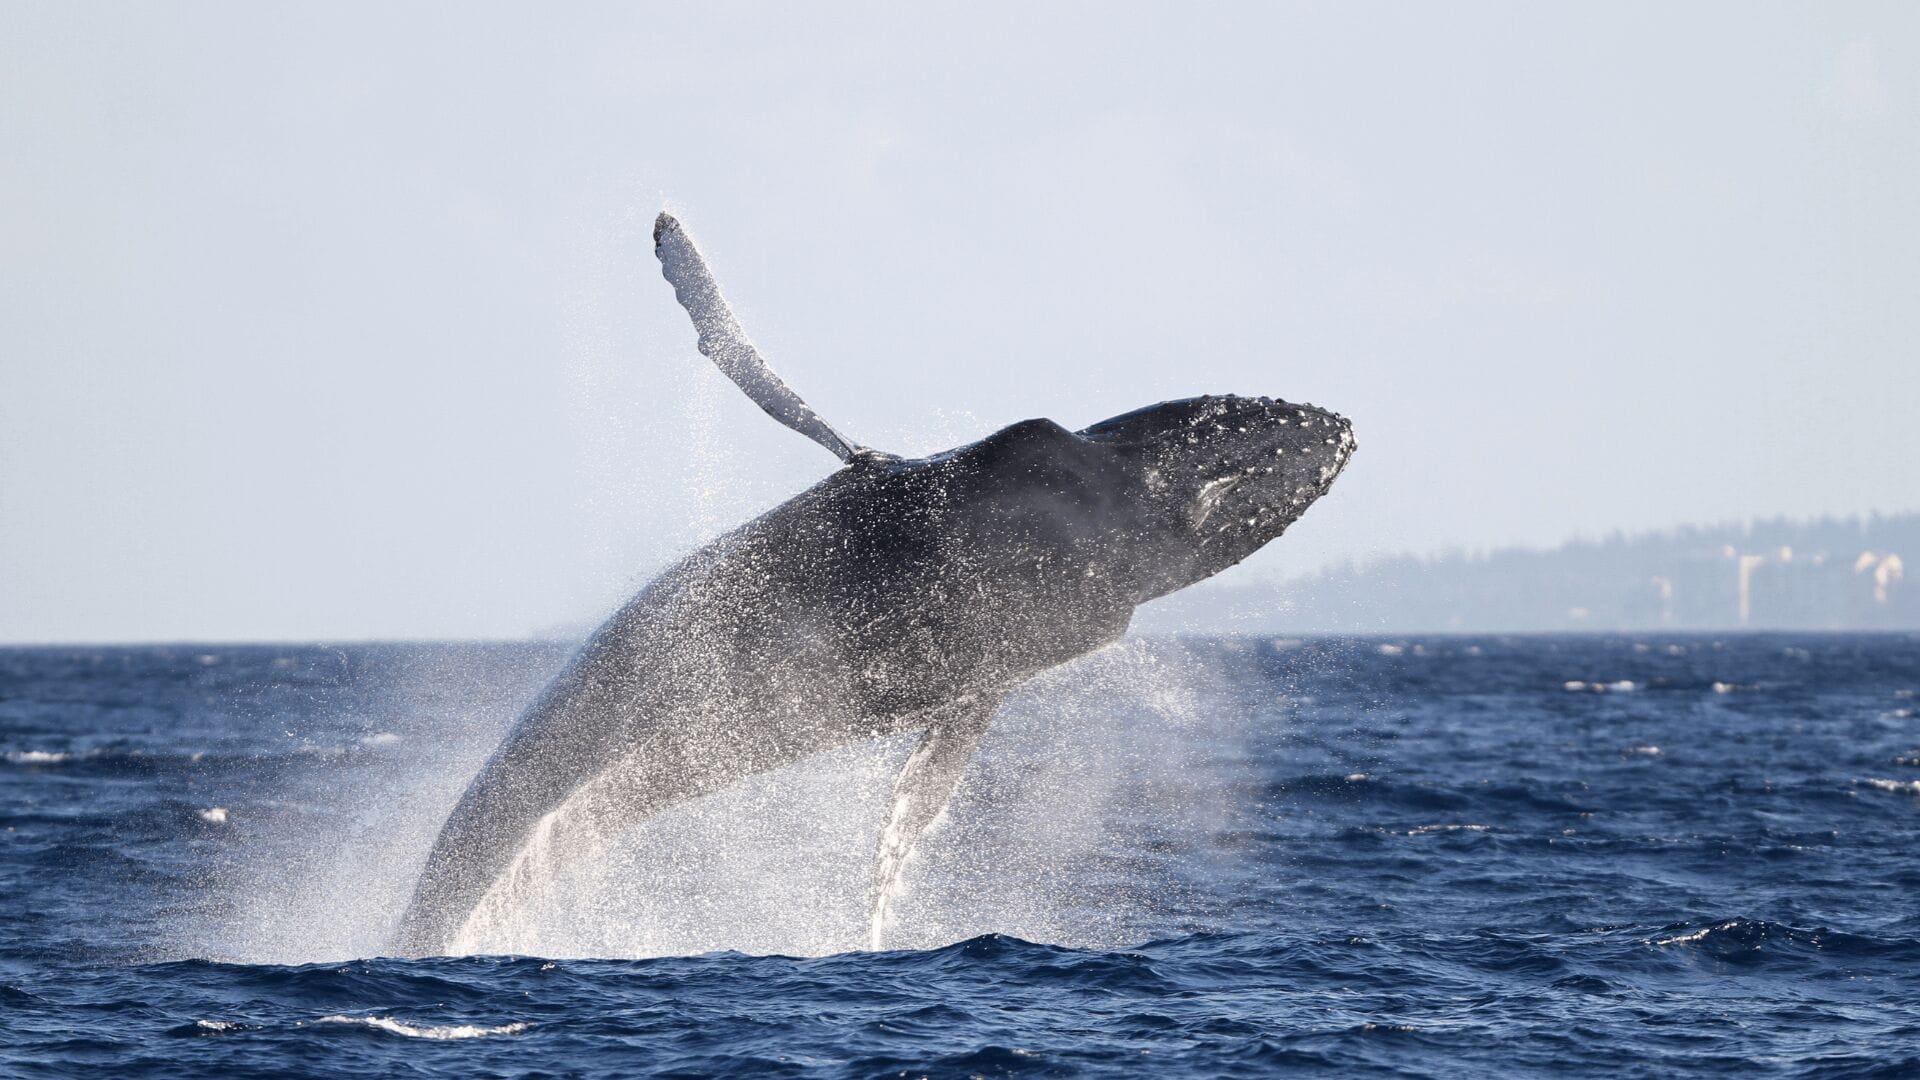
(1568, 856)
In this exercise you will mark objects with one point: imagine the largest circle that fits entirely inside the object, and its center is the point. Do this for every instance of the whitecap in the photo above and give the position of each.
(1903, 787)
(1390, 650)
(379, 738)
(214, 815)
(1425, 829)
(1688, 939)
(1643, 751)
(1618, 686)
(416, 1031)
(38, 757)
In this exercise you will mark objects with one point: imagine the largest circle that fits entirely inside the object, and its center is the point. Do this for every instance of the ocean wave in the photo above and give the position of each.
(106, 760)
(1583, 686)
(1465, 799)
(203, 1028)
(140, 762)
(1753, 940)
(1902, 787)
(37, 757)
(428, 1031)
(1690, 938)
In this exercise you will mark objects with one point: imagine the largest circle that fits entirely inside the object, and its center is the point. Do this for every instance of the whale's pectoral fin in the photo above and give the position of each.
(724, 342)
(921, 793)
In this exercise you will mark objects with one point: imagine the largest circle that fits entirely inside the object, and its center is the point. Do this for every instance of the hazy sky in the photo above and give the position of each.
(345, 322)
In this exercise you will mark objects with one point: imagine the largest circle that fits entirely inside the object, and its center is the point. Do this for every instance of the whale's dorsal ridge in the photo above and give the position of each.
(725, 342)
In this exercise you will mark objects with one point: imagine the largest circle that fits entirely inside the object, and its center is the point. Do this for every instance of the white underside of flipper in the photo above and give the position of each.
(723, 341)
(920, 795)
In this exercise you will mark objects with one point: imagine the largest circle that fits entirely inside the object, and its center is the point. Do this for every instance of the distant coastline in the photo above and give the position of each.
(1777, 574)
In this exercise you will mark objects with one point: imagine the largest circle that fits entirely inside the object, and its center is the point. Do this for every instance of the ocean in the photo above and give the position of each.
(1651, 855)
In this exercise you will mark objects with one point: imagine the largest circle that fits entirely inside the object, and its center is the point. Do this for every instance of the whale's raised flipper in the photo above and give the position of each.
(724, 342)
(925, 784)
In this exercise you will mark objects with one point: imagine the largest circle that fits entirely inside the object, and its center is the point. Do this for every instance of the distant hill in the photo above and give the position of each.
(1778, 574)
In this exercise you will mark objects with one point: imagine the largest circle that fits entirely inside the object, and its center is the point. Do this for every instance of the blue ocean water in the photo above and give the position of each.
(1446, 856)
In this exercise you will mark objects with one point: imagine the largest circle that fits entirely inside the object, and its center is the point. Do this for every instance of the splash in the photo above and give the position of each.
(1074, 771)
(1083, 769)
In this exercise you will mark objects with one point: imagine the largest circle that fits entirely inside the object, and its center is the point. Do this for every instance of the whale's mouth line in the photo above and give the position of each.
(1247, 501)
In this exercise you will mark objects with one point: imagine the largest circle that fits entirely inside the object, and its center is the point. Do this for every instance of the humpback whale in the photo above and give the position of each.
(897, 595)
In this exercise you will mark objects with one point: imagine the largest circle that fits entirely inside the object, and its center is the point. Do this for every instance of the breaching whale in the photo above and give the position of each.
(895, 596)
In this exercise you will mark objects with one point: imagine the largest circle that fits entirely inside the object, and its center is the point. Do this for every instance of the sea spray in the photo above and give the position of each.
(1078, 767)
(1085, 768)
(779, 862)
(326, 836)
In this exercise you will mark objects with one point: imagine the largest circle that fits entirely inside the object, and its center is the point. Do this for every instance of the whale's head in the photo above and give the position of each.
(1140, 505)
(1210, 480)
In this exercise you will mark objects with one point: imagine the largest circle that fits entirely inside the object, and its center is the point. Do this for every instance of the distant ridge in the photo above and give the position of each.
(1775, 574)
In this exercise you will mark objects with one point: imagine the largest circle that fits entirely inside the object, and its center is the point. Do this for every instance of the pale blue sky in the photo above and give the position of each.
(345, 322)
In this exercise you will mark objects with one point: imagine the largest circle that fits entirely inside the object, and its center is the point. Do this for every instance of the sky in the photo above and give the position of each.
(342, 321)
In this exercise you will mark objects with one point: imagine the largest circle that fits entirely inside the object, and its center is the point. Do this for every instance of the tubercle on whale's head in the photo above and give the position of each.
(1218, 477)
